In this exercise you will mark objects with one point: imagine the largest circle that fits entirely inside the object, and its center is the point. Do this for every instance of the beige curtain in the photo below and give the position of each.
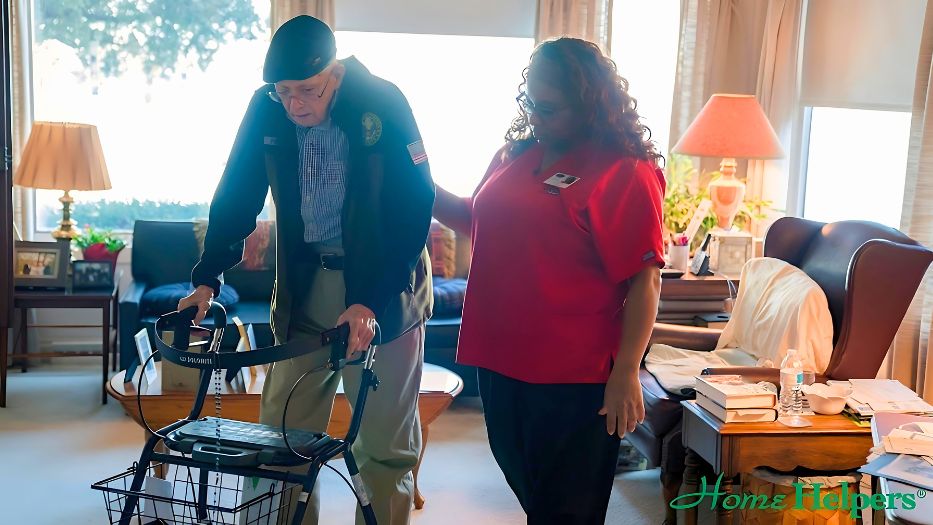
(779, 74)
(748, 47)
(719, 52)
(21, 67)
(586, 19)
(284, 10)
(909, 358)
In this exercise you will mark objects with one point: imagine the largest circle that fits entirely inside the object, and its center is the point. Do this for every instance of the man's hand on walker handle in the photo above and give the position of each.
(200, 297)
(623, 405)
(362, 328)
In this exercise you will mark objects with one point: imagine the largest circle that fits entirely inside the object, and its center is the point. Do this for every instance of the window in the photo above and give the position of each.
(856, 164)
(644, 46)
(856, 111)
(461, 89)
(166, 89)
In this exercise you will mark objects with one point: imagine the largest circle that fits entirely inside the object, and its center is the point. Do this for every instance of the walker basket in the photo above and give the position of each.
(184, 496)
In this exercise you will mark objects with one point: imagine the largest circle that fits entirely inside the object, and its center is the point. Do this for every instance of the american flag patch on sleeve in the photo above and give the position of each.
(648, 256)
(417, 152)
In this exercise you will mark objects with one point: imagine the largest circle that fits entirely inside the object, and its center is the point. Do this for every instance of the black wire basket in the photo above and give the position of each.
(178, 494)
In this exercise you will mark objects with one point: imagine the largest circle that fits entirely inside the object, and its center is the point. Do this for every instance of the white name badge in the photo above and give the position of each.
(561, 180)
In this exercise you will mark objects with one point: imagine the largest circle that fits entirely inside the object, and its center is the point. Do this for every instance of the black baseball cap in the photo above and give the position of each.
(300, 48)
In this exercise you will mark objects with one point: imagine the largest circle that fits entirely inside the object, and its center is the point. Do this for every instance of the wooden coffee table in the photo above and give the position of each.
(439, 386)
(833, 443)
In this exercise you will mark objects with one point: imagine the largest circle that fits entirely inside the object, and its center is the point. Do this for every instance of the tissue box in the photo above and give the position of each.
(728, 251)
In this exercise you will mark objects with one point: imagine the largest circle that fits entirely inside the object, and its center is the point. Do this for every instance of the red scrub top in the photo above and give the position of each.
(549, 271)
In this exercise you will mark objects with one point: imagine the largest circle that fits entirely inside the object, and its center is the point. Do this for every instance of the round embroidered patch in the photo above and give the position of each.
(372, 128)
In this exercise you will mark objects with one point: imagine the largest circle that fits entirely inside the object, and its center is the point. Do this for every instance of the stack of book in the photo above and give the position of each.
(732, 400)
(859, 413)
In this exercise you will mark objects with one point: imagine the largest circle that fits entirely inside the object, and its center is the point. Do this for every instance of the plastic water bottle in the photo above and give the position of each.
(791, 379)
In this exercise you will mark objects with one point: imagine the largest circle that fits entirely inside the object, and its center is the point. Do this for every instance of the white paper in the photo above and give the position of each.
(697, 220)
(887, 395)
(153, 508)
(267, 506)
(905, 442)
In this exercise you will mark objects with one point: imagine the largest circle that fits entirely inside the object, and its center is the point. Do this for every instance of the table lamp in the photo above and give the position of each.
(63, 156)
(729, 126)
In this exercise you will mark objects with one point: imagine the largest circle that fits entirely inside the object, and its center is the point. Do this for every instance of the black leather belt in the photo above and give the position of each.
(330, 261)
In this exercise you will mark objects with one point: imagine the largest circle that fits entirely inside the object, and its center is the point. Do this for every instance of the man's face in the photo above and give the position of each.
(307, 101)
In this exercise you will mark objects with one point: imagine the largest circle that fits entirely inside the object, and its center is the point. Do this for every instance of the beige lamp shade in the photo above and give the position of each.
(63, 156)
(731, 126)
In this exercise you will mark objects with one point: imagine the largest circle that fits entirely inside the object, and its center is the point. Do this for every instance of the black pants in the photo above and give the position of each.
(552, 446)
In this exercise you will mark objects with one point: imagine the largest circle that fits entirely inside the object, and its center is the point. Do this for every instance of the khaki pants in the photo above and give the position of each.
(389, 442)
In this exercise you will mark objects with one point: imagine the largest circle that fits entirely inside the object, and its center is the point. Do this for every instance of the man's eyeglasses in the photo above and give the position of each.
(529, 107)
(304, 94)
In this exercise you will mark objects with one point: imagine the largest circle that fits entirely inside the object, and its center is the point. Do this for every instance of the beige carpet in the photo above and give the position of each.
(56, 439)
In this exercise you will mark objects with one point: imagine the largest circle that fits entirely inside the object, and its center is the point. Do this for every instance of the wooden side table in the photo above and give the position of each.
(104, 300)
(833, 443)
(439, 386)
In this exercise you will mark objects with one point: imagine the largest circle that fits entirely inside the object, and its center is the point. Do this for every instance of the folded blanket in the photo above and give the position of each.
(676, 368)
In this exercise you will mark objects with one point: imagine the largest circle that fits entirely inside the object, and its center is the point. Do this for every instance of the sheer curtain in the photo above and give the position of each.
(284, 10)
(778, 92)
(738, 46)
(21, 68)
(909, 358)
(586, 19)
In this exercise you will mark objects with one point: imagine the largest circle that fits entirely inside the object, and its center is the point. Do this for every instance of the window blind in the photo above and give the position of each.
(502, 18)
(861, 53)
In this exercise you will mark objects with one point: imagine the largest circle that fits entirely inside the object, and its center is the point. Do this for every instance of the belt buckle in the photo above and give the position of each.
(323, 263)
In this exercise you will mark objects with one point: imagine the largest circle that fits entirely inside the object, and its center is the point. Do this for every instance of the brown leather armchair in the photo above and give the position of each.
(869, 273)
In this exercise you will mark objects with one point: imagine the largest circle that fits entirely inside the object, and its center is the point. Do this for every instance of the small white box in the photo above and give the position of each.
(728, 251)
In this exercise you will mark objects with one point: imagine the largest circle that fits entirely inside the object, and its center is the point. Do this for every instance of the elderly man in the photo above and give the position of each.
(342, 154)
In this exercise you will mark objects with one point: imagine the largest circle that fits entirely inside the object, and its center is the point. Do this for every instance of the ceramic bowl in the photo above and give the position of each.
(826, 399)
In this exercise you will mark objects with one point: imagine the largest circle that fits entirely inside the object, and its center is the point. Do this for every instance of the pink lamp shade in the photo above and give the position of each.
(732, 126)
(729, 126)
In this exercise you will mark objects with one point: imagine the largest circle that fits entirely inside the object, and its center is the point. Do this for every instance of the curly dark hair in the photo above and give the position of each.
(593, 84)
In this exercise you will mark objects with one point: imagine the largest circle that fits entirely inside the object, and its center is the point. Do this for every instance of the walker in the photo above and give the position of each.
(219, 472)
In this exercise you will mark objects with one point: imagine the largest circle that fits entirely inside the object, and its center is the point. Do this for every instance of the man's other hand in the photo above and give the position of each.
(362, 322)
(200, 297)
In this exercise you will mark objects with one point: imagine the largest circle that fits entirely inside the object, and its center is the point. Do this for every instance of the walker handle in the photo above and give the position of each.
(181, 322)
(229, 456)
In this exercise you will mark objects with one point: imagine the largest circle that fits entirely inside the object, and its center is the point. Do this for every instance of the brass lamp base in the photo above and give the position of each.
(68, 228)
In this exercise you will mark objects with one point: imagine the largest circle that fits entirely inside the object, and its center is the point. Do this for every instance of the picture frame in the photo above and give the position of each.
(143, 351)
(92, 275)
(40, 264)
(246, 343)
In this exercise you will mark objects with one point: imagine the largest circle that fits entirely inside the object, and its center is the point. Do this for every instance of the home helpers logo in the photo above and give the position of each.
(805, 496)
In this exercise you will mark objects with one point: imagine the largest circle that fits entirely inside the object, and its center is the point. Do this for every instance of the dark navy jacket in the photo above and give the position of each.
(386, 212)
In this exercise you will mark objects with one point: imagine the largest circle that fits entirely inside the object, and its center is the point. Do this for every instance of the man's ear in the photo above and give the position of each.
(339, 71)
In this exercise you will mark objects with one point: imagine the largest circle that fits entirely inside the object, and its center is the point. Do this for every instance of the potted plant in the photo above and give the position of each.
(100, 245)
(686, 189)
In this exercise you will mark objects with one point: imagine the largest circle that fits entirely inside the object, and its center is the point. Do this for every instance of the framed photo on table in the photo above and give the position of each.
(143, 352)
(92, 275)
(40, 264)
